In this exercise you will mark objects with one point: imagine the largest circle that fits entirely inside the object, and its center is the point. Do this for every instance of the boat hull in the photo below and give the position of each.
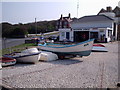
(25, 57)
(99, 49)
(32, 58)
(8, 61)
(81, 49)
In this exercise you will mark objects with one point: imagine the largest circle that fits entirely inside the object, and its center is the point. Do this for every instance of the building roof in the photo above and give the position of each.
(102, 11)
(93, 18)
(117, 11)
(109, 9)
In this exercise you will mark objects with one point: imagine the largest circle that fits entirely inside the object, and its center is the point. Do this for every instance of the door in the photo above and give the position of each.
(94, 35)
(67, 35)
(80, 36)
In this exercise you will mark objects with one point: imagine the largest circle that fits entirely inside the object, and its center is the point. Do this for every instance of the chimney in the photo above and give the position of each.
(109, 9)
(69, 15)
(61, 16)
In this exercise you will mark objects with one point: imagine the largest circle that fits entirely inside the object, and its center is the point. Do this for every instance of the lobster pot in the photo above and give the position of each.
(48, 56)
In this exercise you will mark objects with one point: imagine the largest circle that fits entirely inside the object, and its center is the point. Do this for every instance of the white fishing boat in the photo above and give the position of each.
(26, 56)
(81, 49)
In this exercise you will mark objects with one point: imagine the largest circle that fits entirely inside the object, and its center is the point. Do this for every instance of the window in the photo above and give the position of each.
(109, 33)
(66, 23)
(63, 34)
(101, 30)
(60, 23)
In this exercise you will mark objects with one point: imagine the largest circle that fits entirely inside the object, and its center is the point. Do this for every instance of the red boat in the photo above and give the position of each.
(98, 45)
(99, 48)
(7, 61)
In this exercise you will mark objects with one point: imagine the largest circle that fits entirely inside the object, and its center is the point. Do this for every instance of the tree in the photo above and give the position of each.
(19, 32)
(31, 30)
(6, 29)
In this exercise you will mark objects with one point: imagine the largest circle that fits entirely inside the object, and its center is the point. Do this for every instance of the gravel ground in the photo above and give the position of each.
(99, 70)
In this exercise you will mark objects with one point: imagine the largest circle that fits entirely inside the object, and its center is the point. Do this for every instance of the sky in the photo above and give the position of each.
(25, 11)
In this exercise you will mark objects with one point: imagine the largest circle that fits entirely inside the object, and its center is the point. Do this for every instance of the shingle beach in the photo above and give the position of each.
(99, 70)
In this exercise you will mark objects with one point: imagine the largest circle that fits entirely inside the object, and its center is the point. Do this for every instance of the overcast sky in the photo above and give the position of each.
(25, 11)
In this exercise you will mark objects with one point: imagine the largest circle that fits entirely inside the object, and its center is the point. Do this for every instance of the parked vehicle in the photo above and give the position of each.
(41, 38)
(34, 38)
(53, 38)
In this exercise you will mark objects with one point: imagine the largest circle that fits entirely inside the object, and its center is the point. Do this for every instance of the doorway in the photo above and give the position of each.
(80, 36)
(67, 35)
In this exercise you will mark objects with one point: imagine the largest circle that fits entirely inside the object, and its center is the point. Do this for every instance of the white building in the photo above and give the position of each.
(101, 27)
